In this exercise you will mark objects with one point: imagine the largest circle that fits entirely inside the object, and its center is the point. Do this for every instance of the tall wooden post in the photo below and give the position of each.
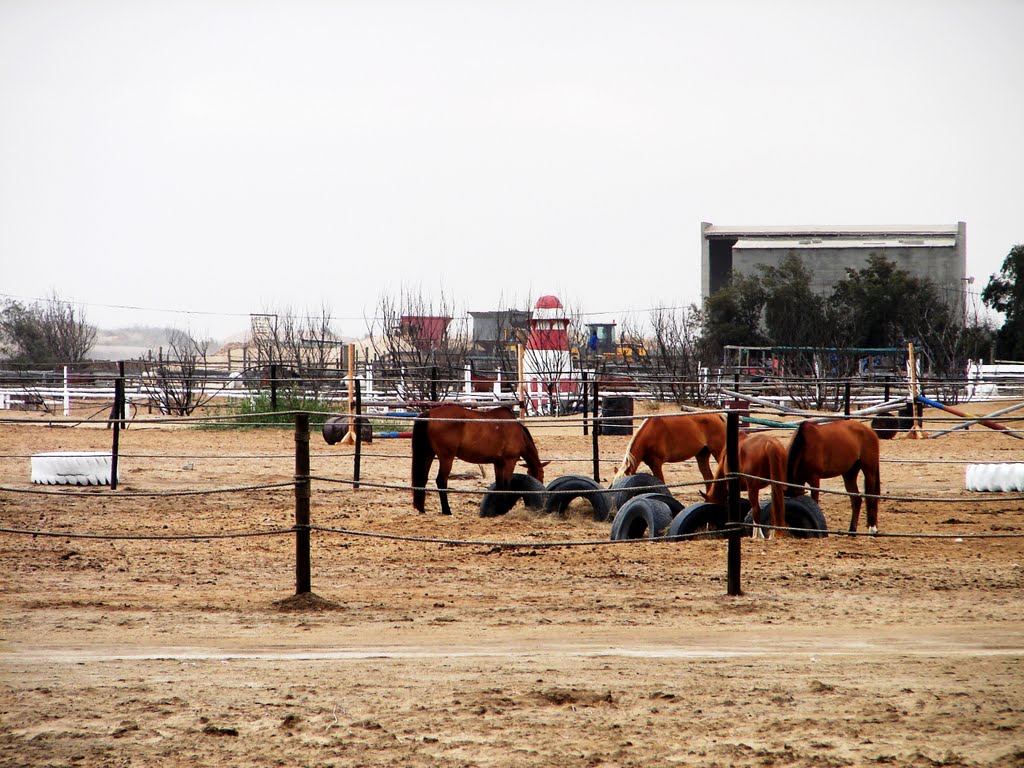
(302, 495)
(734, 530)
(350, 436)
(522, 380)
(915, 430)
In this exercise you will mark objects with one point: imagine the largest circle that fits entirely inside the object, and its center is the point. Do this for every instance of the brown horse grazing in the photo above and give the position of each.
(764, 458)
(837, 448)
(449, 432)
(676, 438)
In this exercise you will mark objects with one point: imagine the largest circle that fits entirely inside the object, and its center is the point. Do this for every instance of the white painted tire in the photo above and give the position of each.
(995, 477)
(71, 468)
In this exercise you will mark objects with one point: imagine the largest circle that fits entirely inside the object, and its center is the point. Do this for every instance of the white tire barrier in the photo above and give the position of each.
(71, 468)
(995, 477)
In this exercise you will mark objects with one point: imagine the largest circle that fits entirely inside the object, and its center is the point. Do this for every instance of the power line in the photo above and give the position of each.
(211, 313)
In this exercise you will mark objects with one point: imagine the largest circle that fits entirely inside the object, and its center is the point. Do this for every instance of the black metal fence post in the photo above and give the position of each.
(118, 418)
(356, 423)
(594, 439)
(273, 386)
(734, 529)
(302, 495)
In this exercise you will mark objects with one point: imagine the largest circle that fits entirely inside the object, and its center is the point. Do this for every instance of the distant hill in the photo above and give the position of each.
(131, 343)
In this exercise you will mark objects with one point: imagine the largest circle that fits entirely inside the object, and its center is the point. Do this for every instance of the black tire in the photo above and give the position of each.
(705, 516)
(702, 516)
(674, 505)
(801, 512)
(563, 490)
(643, 517)
(629, 486)
(530, 490)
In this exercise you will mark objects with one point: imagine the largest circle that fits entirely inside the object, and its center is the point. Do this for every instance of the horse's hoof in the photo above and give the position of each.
(872, 529)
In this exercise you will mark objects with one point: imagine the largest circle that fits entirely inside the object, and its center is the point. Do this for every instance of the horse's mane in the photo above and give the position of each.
(529, 441)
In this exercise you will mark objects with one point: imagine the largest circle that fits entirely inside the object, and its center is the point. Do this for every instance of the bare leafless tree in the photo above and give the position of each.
(421, 344)
(673, 354)
(301, 345)
(177, 383)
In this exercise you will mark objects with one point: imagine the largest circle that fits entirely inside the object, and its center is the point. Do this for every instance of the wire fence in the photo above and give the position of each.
(301, 486)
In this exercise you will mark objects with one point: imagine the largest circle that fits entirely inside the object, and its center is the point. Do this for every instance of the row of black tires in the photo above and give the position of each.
(644, 507)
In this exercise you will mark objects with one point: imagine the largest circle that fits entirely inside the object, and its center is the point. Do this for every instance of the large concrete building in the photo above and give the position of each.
(935, 252)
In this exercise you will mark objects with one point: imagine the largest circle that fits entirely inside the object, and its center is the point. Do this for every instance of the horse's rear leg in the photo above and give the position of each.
(444, 468)
(850, 481)
(873, 489)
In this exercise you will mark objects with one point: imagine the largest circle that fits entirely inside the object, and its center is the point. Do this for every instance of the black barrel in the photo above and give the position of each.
(620, 407)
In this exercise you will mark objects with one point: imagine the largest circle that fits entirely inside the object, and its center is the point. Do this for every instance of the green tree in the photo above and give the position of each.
(732, 315)
(882, 305)
(794, 315)
(49, 333)
(1005, 293)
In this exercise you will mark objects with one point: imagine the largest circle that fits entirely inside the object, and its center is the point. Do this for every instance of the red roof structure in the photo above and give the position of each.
(425, 332)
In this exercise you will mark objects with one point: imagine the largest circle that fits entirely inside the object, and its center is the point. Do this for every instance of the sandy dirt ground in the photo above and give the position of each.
(841, 651)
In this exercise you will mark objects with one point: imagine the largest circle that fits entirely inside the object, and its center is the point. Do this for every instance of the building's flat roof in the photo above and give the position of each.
(809, 243)
(831, 230)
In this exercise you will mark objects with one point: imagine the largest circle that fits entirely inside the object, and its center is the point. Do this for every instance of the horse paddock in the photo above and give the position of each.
(843, 651)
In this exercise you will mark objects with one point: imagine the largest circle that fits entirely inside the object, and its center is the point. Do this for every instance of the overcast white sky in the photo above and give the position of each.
(221, 158)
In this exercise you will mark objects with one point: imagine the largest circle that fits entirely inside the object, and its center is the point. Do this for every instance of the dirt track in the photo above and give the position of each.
(842, 651)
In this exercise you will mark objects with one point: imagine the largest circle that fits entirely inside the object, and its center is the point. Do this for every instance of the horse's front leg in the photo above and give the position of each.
(503, 471)
(656, 468)
(850, 481)
(444, 468)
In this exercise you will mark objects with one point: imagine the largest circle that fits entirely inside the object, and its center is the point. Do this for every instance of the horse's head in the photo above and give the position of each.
(536, 471)
(717, 492)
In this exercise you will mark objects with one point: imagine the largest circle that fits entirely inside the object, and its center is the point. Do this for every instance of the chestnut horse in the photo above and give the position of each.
(676, 438)
(837, 448)
(764, 459)
(452, 432)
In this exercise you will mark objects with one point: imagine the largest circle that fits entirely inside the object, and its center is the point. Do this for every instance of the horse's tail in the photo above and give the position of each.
(422, 455)
(796, 449)
(778, 470)
(715, 437)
